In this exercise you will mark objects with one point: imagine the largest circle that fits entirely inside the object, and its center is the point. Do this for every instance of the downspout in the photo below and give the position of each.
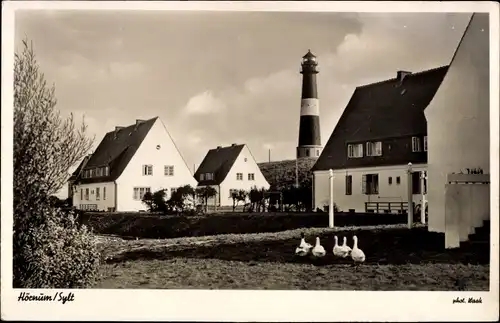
(116, 196)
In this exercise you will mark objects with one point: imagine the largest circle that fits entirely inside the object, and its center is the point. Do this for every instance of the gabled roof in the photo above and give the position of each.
(218, 161)
(116, 150)
(388, 109)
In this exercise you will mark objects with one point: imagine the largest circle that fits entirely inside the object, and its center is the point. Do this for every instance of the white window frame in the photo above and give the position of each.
(139, 192)
(209, 176)
(251, 176)
(202, 177)
(374, 148)
(169, 170)
(416, 144)
(97, 193)
(147, 170)
(239, 176)
(425, 143)
(352, 148)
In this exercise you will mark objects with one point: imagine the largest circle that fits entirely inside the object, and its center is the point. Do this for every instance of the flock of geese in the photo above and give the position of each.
(343, 251)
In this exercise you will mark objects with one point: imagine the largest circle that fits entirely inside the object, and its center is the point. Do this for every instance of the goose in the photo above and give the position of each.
(357, 254)
(346, 248)
(318, 250)
(338, 250)
(304, 247)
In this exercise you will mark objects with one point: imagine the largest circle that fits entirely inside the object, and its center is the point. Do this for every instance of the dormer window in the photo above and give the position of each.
(202, 177)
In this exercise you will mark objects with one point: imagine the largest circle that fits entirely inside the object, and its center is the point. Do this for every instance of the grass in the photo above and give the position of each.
(397, 259)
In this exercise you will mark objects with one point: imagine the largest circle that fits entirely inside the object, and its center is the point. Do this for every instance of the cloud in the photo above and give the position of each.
(204, 103)
(216, 78)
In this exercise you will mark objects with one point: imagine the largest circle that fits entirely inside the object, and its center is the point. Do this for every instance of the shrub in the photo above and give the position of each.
(56, 253)
(50, 250)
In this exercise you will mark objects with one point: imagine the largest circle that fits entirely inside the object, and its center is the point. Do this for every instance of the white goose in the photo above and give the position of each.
(357, 254)
(346, 248)
(338, 250)
(304, 247)
(318, 250)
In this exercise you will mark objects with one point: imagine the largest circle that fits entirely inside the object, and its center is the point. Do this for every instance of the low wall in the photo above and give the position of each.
(161, 227)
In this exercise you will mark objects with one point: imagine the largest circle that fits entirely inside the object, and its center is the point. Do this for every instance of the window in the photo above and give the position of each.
(98, 193)
(81, 194)
(374, 148)
(104, 193)
(425, 143)
(348, 185)
(370, 184)
(390, 180)
(355, 151)
(93, 172)
(169, 170)
(209, 176)
(398, 180)
(251, 176)
(140, 191)
(106, 171)
(239, 176)
(317, 152)
(415, 145)
(87, 194)
(202, 177)
(147, 170)
(307, 152)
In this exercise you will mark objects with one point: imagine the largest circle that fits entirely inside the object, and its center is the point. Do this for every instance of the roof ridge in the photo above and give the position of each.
(419, 73)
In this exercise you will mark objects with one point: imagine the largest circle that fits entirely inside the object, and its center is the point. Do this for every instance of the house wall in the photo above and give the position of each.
(245, 163)
(458, 118)
(148, 154)
(387, 192)
(103, 203)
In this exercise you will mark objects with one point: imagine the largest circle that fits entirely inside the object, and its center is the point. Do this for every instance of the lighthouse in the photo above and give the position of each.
(309, 131)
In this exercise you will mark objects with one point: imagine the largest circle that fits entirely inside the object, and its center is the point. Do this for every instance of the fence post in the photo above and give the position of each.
(410, 196)
(330, 209)
(423, 178)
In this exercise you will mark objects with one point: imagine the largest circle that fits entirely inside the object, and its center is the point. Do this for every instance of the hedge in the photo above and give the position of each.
(142, 225)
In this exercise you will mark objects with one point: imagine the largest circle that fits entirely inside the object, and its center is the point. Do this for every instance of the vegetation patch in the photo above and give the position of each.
(138, 225)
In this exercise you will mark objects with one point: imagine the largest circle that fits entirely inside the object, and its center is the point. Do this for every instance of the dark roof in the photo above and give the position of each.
(382, 110)
(80, 167)
(116, 150)
(219, 162)
(308, 54)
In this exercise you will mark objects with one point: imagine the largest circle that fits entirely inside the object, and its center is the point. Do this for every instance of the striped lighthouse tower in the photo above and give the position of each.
(309, 131)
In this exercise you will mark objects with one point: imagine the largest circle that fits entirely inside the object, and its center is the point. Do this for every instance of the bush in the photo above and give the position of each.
(55, 254)
(50, 249)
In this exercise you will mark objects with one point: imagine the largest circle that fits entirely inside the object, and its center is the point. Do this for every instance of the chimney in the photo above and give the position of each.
(117, 128)
(232, 145)
(219, 147)
(401, 75)
(138, 121)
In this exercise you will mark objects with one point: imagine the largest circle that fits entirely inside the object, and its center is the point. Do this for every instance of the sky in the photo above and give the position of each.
(217, 78)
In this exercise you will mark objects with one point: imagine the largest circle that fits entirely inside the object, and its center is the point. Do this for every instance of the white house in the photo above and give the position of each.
(458, 118)
(228, 169)
(129, 162)
(381, 131)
